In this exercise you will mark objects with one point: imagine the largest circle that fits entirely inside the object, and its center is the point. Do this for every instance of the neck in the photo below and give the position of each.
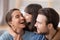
(19, 32)
(51, 34)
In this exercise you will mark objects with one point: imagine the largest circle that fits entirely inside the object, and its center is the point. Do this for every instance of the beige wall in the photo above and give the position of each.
(6, 5)
(45, 3)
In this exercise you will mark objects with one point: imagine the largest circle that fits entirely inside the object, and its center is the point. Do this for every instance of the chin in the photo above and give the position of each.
(42, 33)
(23, 26)
(38, 31)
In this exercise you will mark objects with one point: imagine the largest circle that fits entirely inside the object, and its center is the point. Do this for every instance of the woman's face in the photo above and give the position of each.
(28, 17)
(17, 20)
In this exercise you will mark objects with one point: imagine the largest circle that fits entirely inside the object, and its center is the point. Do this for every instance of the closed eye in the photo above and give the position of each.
(39, 22)
(17, 16)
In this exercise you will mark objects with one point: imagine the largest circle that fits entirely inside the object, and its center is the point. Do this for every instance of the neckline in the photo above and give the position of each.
(54, 34)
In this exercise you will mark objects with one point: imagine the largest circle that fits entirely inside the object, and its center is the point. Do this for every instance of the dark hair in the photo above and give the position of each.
(8, 15)
(52, 16)
(33, 10)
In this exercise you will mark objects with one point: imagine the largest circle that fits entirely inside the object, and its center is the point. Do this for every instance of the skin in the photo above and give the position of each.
(43, 28)
(41, 24)
(28, 17)
(17, 25)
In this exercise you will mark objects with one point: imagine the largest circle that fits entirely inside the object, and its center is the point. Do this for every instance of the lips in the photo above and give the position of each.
(22, 22)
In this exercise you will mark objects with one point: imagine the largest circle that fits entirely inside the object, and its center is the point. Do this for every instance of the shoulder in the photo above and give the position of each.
(34, 36)
(57, 36)
(28, 33)
(5, 36)
(38, 37)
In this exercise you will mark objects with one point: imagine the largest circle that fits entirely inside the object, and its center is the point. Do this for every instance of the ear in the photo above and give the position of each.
(10, 23)
(50, 26)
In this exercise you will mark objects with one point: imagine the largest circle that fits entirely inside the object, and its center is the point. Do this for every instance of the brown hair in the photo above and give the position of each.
(33, 10)
(52, 16)
(8, 15)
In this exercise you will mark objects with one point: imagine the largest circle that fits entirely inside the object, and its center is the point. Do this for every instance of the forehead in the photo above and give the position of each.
(27, 14)
(16, 12)
(41, 17)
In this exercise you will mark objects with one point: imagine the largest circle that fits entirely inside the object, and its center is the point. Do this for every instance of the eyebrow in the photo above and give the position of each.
(37, 21)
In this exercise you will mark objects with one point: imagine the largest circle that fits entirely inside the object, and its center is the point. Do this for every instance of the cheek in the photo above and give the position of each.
(28, 19)
(15, 21)
(41, 27)
(45, 29)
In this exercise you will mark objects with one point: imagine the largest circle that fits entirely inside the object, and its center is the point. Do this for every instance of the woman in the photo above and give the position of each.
(16, 23)
(31, 15)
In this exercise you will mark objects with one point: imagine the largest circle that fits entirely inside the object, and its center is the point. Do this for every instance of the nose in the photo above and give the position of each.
(35, 25)
(22, 17)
